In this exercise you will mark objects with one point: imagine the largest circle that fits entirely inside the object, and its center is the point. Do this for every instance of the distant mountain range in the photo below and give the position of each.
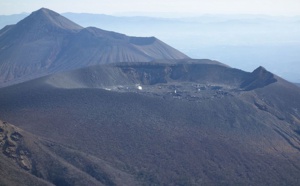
(94, 107)
(46, 42)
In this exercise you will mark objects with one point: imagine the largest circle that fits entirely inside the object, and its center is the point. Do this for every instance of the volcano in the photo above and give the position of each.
(103, 108)
(46, 42)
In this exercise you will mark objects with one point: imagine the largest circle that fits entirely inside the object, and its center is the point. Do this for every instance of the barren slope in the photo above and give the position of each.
(46, 42)
(29, 160)
(211, 131)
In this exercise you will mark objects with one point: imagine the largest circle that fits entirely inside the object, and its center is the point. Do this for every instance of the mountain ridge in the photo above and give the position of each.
(46, 42)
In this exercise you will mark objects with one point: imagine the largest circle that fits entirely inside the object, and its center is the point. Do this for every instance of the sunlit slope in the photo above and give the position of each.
(46, 42)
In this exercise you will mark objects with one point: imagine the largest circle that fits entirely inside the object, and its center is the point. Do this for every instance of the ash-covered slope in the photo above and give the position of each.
(31, 46)
(187, 122)
(15, 159)
(152, 73)
(29, 160)
(260, 77)
(46, 42)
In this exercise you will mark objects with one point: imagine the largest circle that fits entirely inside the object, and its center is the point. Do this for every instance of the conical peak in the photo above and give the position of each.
(45, 17)
(44, 10)
(260, 77)
(46, 13)
(260, 68)
(260, 71)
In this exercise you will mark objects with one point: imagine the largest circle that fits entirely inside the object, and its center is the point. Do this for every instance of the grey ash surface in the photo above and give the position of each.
(97, 124)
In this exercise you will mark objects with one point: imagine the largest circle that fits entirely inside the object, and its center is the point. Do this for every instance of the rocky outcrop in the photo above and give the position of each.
(11, 142)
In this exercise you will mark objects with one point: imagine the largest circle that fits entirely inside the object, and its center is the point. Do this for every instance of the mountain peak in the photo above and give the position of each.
(260, 77)
(260, 70)
(44, 11)
(46, 42)
(45, 18)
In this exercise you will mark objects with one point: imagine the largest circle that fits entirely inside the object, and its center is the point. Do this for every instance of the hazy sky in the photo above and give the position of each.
(142, 7)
